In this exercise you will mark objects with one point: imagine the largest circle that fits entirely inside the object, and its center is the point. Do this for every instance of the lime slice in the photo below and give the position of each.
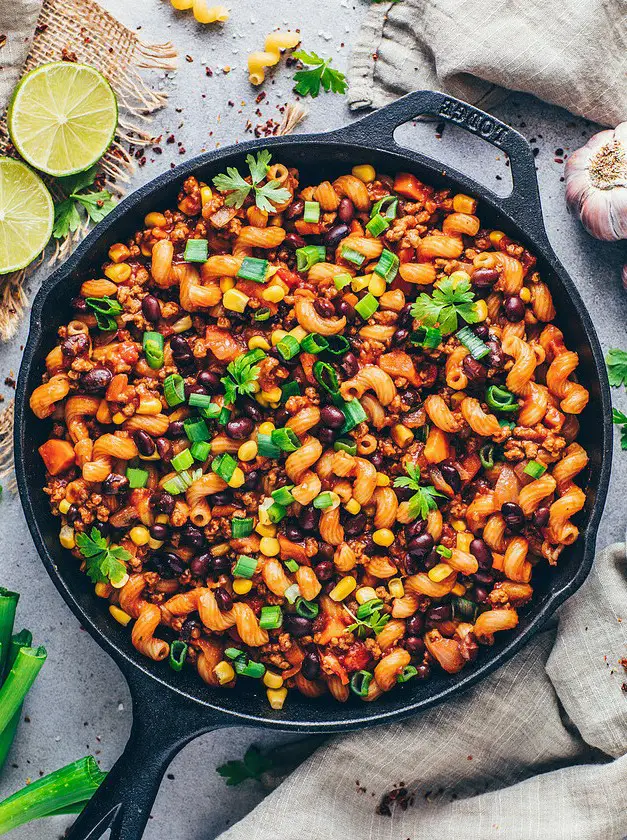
(62, 117)
(26, 215)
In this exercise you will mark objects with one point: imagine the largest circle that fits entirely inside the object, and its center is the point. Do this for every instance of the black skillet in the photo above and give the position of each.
(170, 709)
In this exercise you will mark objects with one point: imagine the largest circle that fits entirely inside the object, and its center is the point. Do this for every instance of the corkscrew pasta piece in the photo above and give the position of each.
(275, 43)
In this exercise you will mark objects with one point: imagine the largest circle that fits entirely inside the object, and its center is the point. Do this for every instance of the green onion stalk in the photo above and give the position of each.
(8, 605)
(65, 791)
(22, 675)
(22, 639)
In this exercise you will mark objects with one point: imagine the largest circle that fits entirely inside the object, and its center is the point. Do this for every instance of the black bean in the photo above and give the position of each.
(164, 448)
(297, 625)
(251, 480)
(75, 345)
(79, 305)
(115, 484)
(440, 613)
(293, 240)
(223, 599)
(451, 476)
(355, 525)
(192, 537)
(421, 545)
(496, 359)
(415, 624)
(541, 517)
(346, 309)
(346, 210)
(180, 347)
(325, 552)
(221, 498)
(324, 570)
(405, 317)
(159, 532)
(415, 645)
(481, 331)
(194, 388)
(513, 515)
(190, 628)
(416, 528)
(400, 337)
(145, 444)
(158, 561)
(221, 564)
(296, 208)
(281, 416)
(324, 307)
(349, 364)
(308, 519)
(479, 594)
(72, 514)
(376, 459)
(325, 435)
(176, 564)
(210, 381)
(514, 309)
(240, 428)
(485, 577)
(332, 417)
(150, 308)
(310, 667)
(484, 277)
(251, 409)
(176, 429)
(95, 380)
(201, 565)
(293, 532)
(162, 502)
(473, 370)
(482, 553)
(432, 559)
(334, 236)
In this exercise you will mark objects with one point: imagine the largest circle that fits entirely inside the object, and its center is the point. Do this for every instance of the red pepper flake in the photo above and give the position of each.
(558, 160)
(260, 97)
(230, 103)
(624, 687)
(66, 55)
(170, 139)
(208, 72)
(182, 150)
(158, 150)
(189, 59)
(10, 382)
(397, 796)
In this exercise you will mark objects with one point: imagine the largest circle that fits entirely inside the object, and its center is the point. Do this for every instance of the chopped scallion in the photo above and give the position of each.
(178, 654)
(306, 609)
(266, 447)
(224, 465)
(338, 345)
(292, 565)
(152, 344)
(360, 682)
(288, 347)
(486, 456)
(408, 673)
(326, 499)
(387, 267)
(443, 551)
(291, 593)
(233, 653)
(253, 268)
(377, 225)
(314, 343)
(182, 461)
(427, 337)
(285, 439)
(262, 314)
(136, 478)
(311, 214)
(256, 670)
(345, 445)
(290, 389)
(500, 399)
(245, 566)
(352, 256)
(309, 255)
(283, 495)
(326, 376)
(174, 390)
(367, 306)
(200, 450)
(354, 413)
(270, 618)
(341, 281)
(385, 206)
(241, 527)
(199, 400)
(196, 250)
(196, 429)
(473, 343)
(535, 469)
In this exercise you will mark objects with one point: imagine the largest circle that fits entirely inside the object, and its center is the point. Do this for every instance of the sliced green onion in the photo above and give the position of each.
(341, 281)
(245, 566)
(270, 618)
(473, 343)
(338, 345)
(291, 565)
(199, 400)
(377, 225)
(306, 609)
(181, 482)
(174, 390)
(325, 500)
(535, 469)
(428, 337)
(408, 673)
(283, 495)
(182, 461)
(367, 306)
(106, 323)
(486, 456)
(310, 255)
(262, 314)
(360, 681)
(267, 448)
(224, 416)
(196, 429)
(311, 213)
(256, 670)
(291, 593)
(224, 466)
(326, 376)
(196, 250)
(178, 654)
(276, 513)
(104, 305)
(443, 551)
(253, 356)
(241, 527)
(136, 478)
(387, 267)
(253, 269)
(353, 256)
(345, 445)
(152, 344)
(464, 609)
(290, 389)
(200, 450)
(288, 347)
(286, 439)
(354, 414)
(233, 653)
(507, 424)
(313, 343)
(500, 399)
(367, 609)
(211, 412)
(385, 206)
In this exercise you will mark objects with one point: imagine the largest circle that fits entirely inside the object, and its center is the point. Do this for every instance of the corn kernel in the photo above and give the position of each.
(258, 342)
(120, 583)
(146, 249)
(352, 506)
(269, 546)
(481, 310)
(248, 451)
(496, 236)
(358, 284)
(524, 294)
(152, 220)
(272, 680)
(343, 589)
(102, 590)
(274, 293)
(439, 572)
(235, 300)
(458, 276)
(64, 506)
(237, 479)
(266, 428)
(464, 203)
(120, 616)
(365, 594)
(273, 395)
(276, 336)
(140, 535)
(119, 252)
(66, 537)
(365, 172)
(162, 519)
(264, 519)
(149, 405)
(383, 480)
(401, 435)
(459, 589)
(154, 544)
(242, 586)
(298, 333)
(383, 536)
(396, 588)
(265, 529)
(118, 418)
(118, 273)
(458, 524)
(458, 397)
(464, 538)
(221, 549)
(182, 325)
(276, 697)
(224, 672)
(206, 194)
(377, 285)
(226, 283)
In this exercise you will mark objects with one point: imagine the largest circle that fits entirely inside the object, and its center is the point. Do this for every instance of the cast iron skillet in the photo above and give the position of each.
(172, 708)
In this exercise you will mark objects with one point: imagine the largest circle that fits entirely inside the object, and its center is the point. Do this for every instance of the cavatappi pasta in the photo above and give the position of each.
(303, 476)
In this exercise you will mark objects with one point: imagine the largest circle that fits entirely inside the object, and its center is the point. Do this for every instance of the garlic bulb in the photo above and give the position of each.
(625, 277)
(596, 184)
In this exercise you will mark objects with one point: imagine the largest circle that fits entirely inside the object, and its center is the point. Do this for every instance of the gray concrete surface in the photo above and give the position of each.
(80, 703)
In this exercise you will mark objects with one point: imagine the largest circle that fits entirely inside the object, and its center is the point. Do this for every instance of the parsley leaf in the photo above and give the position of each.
(242, 375)
(616, 361)
(255, 763)
(424, 499)
(618, 416)
(376, 621)
(104, 563)
(308, 82)
(449, 301)
(74, 183)
(259, 166)
(623, 437)
(238, 187)
(97, 204)
(66, 218)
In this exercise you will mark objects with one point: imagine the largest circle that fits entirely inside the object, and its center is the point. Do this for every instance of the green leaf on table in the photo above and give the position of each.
(616, 361)
(98, 204)
(255, 763)
(66, 218)
(318, 73)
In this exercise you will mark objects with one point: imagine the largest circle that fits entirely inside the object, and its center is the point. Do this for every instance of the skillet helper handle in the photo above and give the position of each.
(522, 204)
(162, 726)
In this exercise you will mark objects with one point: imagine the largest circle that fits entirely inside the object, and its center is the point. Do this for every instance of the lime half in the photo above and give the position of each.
(62, 117)
(26, 215)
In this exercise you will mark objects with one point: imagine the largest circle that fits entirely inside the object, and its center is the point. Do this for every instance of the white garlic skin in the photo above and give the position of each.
(625, 277)
(596, 184)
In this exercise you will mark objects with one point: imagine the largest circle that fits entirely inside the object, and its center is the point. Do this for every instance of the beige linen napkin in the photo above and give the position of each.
(571, 53)
(537, 750)
(17, 24)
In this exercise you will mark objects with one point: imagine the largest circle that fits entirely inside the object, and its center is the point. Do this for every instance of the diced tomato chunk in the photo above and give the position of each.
(58, 455)
(409, 186)
(356, 657)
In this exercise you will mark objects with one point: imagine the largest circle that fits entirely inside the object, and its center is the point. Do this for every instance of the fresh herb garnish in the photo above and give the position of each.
(375, 622)
(449, 301)
(308, 82)
(242, 375)
(423, 499)
(616, 361)
(67, 217)
(238, 188)
(619, 418)
(255, 763)
(104, 563)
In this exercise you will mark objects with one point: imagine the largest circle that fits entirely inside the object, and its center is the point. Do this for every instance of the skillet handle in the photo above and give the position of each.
(522, 204)
(162, 725)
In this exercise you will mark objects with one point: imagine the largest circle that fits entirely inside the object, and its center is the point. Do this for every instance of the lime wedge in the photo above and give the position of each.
(62, 117)
(26, 215)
